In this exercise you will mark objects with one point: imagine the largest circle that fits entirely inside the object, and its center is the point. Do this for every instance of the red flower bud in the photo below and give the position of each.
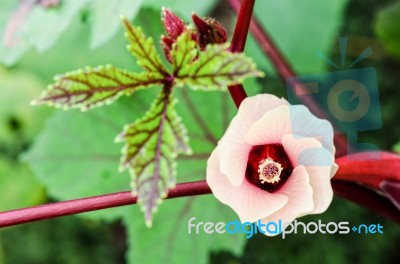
(377, 170)
(209, 31)
(173, 25)
(166, 44)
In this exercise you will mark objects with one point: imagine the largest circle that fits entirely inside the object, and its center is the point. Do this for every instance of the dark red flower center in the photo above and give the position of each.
(268, 167)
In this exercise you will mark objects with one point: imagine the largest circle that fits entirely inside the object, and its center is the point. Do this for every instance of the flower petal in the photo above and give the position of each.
(334, 169)
(319, 164)
(307, 151)
(249, 202)
(296, 146)
(254, 107)
(320, 182)
(271, 127)
(300, 195)
(233, 150)
(233, 153)
(305, 124)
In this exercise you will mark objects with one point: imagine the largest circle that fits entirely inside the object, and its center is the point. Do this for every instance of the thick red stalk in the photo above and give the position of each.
(88, 204)
(238, 42)
(369, 168)
(285, 71)
(351, 191)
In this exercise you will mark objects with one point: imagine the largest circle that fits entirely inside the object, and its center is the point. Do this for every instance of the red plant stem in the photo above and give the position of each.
(245, 11)
(88, 204)
(285, 71)
(238, 42)
(351, 191)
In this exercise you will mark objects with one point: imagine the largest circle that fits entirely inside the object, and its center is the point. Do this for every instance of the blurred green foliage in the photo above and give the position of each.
(387, 28)
(300, 28)
(75, 156)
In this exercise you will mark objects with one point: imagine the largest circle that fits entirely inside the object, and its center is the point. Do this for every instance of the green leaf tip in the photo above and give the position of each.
(143, 49)
(216, 68)
(92, 87)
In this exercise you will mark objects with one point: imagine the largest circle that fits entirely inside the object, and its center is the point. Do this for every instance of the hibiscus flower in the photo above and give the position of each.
(274, 162)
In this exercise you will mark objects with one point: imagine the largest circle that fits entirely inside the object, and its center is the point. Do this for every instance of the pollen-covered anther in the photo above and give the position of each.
(269, 171)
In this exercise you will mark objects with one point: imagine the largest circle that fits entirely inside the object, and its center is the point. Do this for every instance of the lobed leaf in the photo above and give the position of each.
(143, 49)
(151, 147)
(183, 52)
(216, 68)
(92, 87)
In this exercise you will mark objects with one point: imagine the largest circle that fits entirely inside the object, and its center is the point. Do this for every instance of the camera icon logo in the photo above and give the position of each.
(350, 97)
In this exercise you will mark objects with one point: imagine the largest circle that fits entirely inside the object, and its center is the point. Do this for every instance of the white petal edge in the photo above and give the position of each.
(320, 182)
(233, 153)
(305, 124)
(254, 107)
(299, 192)
(319, 164)
(249, 202)
(271, 127)
(307, 151)
(295, 146)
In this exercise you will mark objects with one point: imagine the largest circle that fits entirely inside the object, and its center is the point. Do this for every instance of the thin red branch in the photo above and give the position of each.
(238, 42)
(285, 71)
(351, 191)
(88, 204)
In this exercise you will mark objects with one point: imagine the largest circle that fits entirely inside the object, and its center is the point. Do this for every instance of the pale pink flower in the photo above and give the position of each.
(275, 162)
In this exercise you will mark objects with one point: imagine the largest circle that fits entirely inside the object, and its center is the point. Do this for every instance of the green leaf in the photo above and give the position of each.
(217, 68)
(151, 147)
(168, 240)
(92, 87)
(388, 28)
(183, 52)
(143, 49)
(105, 18)
(300, 29)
